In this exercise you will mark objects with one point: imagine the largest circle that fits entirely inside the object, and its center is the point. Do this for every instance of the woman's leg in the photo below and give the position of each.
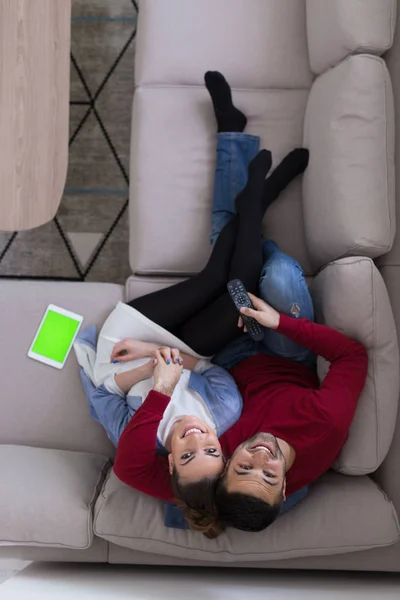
(216, 324)
(173, 306)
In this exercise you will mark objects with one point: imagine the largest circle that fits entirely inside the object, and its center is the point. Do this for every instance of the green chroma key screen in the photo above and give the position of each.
(55, 336)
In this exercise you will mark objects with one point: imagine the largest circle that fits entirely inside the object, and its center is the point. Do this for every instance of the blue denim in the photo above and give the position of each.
(282, 282)
(234, 153)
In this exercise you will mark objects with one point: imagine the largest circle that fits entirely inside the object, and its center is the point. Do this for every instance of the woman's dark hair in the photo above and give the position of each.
(197, 501)
(244, 512)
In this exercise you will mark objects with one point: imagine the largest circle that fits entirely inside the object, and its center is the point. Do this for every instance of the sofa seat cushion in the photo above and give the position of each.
(265, 47)
(338, 28)
(350, 295)
(136, 287)
(43, 406)
(172, 174)
(47, 496)
(334, 518)
(348, 188)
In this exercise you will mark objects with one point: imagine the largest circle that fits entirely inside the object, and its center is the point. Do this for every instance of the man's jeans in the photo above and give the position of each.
(282, 282)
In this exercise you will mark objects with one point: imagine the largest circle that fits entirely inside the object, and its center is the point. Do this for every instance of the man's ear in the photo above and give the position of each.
(170, 464)
(284, 490)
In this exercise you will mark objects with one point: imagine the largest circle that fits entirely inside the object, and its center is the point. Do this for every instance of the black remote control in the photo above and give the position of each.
(241, 298)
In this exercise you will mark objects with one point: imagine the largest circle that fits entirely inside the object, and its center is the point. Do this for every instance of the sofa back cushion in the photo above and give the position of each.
(330, 520)
(348, 188)
(350, 295)
(256, 45)
(337, 28)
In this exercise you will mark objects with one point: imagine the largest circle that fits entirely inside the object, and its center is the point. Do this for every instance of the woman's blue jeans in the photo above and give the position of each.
(282, 282)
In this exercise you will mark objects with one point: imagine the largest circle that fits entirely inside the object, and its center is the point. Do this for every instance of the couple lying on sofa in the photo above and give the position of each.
(175, 417)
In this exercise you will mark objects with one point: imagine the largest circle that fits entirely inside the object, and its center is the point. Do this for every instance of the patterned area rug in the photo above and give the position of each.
(88, 238)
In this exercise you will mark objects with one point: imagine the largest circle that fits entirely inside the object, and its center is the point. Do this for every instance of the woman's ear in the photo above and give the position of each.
(170, 464)
(284, 491)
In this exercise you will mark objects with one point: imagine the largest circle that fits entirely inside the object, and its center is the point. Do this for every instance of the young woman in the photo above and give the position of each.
(182, 413)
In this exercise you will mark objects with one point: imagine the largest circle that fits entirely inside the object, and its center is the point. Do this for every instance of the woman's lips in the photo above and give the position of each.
(192, 430)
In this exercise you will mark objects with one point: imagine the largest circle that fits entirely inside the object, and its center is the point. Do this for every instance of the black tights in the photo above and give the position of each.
(199, 311)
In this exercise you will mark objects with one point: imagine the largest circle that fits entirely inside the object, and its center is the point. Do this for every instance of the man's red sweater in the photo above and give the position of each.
(281, 397)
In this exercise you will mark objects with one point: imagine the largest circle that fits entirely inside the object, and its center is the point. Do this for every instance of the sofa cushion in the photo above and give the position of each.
(334, 518)
(348, 188)
(47, 407)
(337, 29)
(385, 474)
(136, 287)
(172, 174)
(350, 295)
(392, 60)
(47, 496)
(193, 37)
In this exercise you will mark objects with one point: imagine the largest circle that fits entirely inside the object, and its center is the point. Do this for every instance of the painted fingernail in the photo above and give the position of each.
(177, 360)
(168, 362)
(114, 361)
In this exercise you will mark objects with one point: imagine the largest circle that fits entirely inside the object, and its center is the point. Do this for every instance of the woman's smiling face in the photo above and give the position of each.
(195, 450)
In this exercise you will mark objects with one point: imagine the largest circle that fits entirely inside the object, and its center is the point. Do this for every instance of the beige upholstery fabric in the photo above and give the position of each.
(172, 174)
(97, 553)
(350, 295)
(387, 475)
(317, 526)
(348, 188)
(261, 45)
(46, 496)
(40, 405)
(377, 559)
(136, 287)
(337, 28)
(392, 59)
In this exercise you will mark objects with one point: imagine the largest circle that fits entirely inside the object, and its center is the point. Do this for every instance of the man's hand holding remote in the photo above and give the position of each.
(263, 313)
(166, 376)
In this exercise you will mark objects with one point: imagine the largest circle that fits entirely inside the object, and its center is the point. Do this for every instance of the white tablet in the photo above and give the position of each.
(55, 336)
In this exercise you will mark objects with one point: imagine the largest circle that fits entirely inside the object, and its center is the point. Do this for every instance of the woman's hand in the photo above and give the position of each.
(130, 349)
(170, 355)
(262, 312)
(166, 375)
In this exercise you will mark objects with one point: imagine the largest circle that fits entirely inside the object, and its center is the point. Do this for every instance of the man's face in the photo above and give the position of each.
(257, 468)
(195, 451)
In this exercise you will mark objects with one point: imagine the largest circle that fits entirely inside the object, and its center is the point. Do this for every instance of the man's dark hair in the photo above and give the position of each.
(245, 512)
(197, 500)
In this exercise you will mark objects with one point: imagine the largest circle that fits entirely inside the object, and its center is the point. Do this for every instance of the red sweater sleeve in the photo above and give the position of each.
(136, 462)
(345, 381)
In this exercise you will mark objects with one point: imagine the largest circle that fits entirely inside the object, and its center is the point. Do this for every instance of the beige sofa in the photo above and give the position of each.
(306, 72)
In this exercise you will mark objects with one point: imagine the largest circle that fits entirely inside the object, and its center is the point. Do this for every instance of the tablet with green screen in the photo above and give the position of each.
(55, 336)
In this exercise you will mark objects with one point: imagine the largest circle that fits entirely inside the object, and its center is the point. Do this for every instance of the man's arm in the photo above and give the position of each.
(345, 381)
(136, 462)
(349, 360)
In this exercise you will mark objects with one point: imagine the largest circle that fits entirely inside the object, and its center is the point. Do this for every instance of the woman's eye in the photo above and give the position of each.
(211, 450)
(245, 467)
(186, 456)
(271, 475)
